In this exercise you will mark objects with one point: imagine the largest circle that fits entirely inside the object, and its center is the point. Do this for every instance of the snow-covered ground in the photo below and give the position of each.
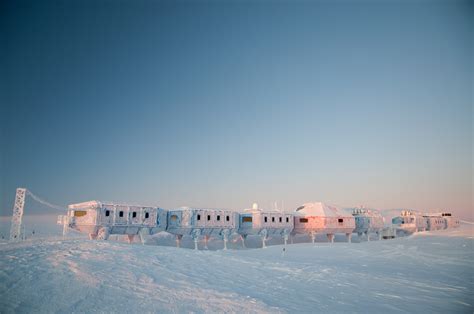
(427, 272)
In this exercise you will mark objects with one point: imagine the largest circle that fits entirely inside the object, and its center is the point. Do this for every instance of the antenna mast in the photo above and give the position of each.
(15, 230)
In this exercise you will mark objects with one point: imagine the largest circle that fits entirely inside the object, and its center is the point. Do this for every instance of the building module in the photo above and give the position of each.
(100, 219)
(314, 218)
(368, 221)
(199, 222)
(264, 223)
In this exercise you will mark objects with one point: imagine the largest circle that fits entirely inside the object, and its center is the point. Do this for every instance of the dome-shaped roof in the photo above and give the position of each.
(319, 209)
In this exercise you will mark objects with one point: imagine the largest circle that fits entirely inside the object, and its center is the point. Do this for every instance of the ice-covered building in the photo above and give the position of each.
(264, 223)
(100, 219)
(197, 222)
(450, 220)
(434, 221)
(410, 222)
(314, 218)
(368, 221)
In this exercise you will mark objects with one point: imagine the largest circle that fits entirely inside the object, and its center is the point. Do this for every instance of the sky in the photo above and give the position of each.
(226, 103)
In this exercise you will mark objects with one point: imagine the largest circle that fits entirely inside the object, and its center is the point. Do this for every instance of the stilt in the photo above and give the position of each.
(225, 242)
(359, 235)
(263, 235)
(379, 235)
(143, 234)
(313, 237)
(331, 237)
(243, 241)
(285, 238)
(368, 236)
(206, 240)
(291, 239)
(130, 237)
(178, 240)
(225, 237)
(349, 236)
(196, 234)
(65, 227)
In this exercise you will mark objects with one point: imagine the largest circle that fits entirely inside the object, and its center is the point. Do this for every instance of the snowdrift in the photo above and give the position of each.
(429, 272)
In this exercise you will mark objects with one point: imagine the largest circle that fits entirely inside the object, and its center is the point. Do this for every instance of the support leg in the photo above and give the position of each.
(130, 237)
(243, 241)
(349, 236)
(331, 238)
(178, 240)
(144, 233)
(313, 237)
(368, 236)
(225, 242)
(225, 237)
(263, 235)
(196, 239)
(206, 240)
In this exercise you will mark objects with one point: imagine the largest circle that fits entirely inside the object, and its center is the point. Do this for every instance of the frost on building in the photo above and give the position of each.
(264, 223)
(450, 220)
(100, 220)
(206, 223)
(434, 221)
(314, 218)
(409, 222)
(368, 221)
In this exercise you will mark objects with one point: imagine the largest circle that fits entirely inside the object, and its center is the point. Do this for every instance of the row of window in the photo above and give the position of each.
(134, 214)
(218, 217)
(305, 220)
(249, 219)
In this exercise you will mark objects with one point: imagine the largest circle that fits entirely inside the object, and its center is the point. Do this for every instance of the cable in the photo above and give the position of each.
(36, 198)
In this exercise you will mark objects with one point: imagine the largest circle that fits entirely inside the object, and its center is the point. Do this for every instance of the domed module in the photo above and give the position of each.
(314, 218)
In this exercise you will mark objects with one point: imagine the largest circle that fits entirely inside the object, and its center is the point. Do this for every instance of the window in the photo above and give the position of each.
(208, 217)
(246, 219)
(303, 220)
(147, 215)
(227, 218)
(273, 219)
(198, 217)
(134, 215)
(300, 208)
(340, 220)
(107, 213)
(121, 213)
(80, 213)
(173, 218)
(218, 217)
(266, 219)
(287, 219)
(280, 219)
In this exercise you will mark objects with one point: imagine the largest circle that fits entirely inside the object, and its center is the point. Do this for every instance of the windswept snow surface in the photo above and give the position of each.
(428, 272)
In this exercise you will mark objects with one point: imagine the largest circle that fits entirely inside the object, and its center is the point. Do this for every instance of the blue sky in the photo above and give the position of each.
(221, 104)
